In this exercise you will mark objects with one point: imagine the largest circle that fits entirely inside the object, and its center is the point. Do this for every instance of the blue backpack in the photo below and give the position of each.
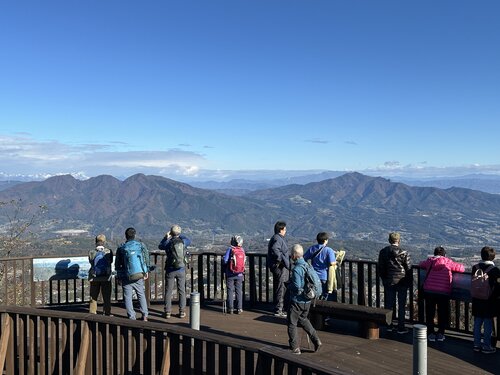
(312, 283)
(101, 264)
(135, 265)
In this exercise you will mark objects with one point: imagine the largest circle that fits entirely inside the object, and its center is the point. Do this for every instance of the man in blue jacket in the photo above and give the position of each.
(278, 261)
(299, 305)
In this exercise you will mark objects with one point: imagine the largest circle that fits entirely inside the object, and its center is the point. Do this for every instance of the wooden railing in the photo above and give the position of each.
(361, 286)
(39, 341)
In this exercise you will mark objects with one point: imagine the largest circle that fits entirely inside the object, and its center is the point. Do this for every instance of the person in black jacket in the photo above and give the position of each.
(278, 261)
(484, 310)
(394, 266)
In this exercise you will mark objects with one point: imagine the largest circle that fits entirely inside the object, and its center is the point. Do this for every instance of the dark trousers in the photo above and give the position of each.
(234, 289)
(327, 296)
(280, 278)
(442, 302)
(297, 314)
(390, 294)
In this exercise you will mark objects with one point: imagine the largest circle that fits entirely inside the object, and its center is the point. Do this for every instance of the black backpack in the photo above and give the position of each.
(176, 254)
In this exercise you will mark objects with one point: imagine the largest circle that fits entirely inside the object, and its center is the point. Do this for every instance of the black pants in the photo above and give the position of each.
(280, 278)
(442, 302)
(298, 315)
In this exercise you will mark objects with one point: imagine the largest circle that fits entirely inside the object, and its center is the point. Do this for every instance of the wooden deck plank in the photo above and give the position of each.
(343, 348)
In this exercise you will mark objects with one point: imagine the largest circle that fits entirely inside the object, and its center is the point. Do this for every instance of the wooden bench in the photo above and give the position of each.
(369, 318)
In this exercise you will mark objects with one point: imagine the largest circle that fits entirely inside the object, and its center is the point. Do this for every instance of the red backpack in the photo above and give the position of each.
(237, 260)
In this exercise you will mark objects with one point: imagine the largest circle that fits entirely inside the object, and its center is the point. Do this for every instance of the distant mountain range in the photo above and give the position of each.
(352, 206)
(481, 182)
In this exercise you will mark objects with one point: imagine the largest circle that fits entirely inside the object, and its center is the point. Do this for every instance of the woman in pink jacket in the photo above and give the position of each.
(437, 290)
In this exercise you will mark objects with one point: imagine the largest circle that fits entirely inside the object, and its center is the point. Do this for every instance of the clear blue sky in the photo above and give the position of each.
(190, 88)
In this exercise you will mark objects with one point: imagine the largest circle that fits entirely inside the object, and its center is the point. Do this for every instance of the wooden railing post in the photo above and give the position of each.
(84, 349)
(361, 284)
(6, 344)
(165, 363)
(253, 284)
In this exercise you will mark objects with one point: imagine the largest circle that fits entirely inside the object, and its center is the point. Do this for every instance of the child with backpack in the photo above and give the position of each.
(484, 292)
(234, 262)
(100, 260)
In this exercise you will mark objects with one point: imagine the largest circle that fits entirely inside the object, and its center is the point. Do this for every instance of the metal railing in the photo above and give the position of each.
(361, 286)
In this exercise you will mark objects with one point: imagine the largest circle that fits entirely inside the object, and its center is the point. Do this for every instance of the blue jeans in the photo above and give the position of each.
(390, 293)
(488, 329)
(234, 287)
(172, 276)
(128, 288)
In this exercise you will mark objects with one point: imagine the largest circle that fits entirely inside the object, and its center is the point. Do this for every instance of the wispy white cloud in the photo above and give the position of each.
(22, 155)
(317, 140)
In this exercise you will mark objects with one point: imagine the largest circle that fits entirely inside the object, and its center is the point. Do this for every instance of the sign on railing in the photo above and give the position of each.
(66, 268)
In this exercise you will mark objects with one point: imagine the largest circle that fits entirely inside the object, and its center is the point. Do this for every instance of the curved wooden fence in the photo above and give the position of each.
(361, 285)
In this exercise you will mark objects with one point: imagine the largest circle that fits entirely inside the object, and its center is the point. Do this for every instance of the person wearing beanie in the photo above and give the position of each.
(101, 259)
(394, 267)
(175, 244)
(234, 264)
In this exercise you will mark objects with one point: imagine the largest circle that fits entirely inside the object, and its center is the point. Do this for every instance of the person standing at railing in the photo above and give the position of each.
(437, 289)
(132, 268)
(323, 260)
(100, 259)
(394, 266)
(175, 245)
(484, 307)
(278, 261)
(234, 264)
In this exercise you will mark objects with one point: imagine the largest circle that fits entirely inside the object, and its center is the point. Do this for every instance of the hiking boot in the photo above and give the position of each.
(144, 319)
(402, 331)
(296, 351)
(432, 337)
(477, 349)
(317, 345)
(167, 315)
(239, 311)
(280, 314)
(440, 337)
(182, 314)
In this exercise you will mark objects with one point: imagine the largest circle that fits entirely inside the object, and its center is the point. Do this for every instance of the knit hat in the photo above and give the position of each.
(175, 230)
(236, 241)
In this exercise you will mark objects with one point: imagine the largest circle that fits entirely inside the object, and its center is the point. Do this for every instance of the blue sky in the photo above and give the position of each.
(217, 89)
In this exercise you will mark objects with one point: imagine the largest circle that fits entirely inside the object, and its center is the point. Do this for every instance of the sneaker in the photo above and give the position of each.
(296, 351)
(440, 337)
(167, 315)
(230, 312)
(144, 319)
(317, 345)
(477, 349)
(239, 311)
(182, 314)
(402, 331)
(391, 328)
(432, 337)
(489, 350)
(280, 314)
